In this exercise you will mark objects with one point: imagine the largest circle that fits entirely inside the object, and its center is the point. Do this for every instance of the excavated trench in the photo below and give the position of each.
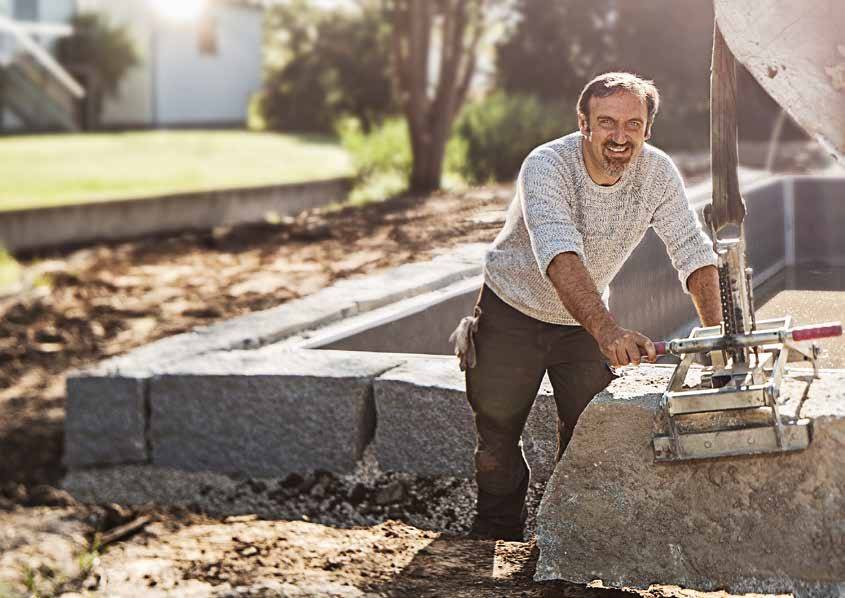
(795, 247)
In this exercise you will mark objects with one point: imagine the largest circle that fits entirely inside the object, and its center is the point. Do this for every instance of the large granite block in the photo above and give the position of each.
(539, 439)
(265, 412)
(768, 523)
(425, 424)
(105, 421)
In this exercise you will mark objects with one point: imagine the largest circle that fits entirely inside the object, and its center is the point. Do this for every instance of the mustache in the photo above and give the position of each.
(616, 145)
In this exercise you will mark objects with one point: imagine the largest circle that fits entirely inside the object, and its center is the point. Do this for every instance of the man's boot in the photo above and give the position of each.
(501, 517)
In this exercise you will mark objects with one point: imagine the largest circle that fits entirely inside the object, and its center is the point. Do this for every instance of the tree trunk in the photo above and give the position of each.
(430, 107)
(429, 151)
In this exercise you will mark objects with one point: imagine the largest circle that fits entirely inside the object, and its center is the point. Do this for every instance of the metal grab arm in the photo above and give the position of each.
(753, 339)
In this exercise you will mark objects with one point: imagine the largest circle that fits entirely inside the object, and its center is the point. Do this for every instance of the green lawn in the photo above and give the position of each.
(48, 170)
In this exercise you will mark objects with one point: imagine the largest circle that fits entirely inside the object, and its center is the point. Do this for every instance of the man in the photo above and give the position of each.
(582, 204)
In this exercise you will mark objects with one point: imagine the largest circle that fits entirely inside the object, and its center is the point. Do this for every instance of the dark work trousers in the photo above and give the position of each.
(513, 351)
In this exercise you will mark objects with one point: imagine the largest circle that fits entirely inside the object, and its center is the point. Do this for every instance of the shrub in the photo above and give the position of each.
(498, 131)
(381, 157)
(386, 148)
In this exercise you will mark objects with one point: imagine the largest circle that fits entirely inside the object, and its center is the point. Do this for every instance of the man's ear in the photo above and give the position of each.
(583, 125)
(648, 132)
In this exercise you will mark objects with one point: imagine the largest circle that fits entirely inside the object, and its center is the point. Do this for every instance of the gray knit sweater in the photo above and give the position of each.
(558, 207)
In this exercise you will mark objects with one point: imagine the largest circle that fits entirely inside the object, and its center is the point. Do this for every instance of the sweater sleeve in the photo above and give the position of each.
(545, 209)
(676, 223)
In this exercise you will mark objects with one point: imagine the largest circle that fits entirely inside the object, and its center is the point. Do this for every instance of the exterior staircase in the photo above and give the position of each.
(33, 86)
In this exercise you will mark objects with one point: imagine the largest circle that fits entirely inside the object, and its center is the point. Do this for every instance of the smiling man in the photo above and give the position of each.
(582, 204)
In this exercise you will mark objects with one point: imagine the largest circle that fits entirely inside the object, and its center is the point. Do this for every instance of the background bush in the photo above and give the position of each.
(497, 132)
(385, 148)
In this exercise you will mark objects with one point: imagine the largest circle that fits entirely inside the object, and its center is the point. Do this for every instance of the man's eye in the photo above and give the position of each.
(634, 125)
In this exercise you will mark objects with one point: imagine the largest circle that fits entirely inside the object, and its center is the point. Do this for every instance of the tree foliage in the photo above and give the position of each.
(556, 47)
(498, 131)
(326, 64)
(100, 51)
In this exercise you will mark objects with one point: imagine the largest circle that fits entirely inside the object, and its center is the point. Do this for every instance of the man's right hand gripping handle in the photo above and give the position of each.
(623, 347)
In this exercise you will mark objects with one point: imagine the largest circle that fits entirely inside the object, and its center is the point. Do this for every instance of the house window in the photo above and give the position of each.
(208, 35)
(26, 10)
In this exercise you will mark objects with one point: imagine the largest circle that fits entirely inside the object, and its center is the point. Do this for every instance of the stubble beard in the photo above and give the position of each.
(615, 167)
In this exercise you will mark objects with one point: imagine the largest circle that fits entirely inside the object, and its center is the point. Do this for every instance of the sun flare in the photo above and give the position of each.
(179, 10)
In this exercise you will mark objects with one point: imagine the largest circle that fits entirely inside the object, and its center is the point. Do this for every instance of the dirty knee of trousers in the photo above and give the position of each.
(499, 470)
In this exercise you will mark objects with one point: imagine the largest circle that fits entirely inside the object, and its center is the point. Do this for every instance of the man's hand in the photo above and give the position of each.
(622, 346)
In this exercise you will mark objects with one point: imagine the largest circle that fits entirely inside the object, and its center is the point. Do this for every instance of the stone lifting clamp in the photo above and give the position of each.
(733, 406)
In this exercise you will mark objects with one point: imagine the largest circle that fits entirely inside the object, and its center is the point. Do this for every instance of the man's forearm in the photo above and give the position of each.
(703, 285)
(579, 296)
(578, 293)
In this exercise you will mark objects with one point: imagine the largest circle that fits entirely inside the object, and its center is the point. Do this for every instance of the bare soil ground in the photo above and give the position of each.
(103, 300)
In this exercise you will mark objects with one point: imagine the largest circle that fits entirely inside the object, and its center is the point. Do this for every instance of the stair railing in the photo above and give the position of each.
(20, 33)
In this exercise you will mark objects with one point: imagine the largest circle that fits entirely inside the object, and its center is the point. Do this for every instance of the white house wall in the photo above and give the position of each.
(132, 105)
(195, 88)
(56, 11)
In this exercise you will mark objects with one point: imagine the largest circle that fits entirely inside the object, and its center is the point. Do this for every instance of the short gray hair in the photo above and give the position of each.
(608, 84)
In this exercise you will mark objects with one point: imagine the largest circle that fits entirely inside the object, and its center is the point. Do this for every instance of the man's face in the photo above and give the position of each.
(615, 134)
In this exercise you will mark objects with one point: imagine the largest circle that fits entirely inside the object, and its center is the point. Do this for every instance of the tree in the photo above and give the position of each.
(556, 47)
(553, 48)
(100, 52)
(430, 101)
(325, 64)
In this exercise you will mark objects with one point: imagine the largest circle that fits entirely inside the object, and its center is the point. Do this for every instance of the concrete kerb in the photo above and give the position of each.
(94, 394)
(36, 228)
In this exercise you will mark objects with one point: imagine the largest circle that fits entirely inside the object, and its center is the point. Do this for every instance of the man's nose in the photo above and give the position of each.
(619, 136)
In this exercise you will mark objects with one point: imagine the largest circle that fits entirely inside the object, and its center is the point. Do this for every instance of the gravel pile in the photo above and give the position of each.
(364, 498)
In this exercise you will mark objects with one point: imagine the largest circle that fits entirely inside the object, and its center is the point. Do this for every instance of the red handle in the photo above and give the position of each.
(659, 348)
(806, 333)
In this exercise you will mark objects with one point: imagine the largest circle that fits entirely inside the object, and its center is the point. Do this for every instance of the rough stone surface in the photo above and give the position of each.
(424, 421)
(106, 413)
(265, 412)
(539, 440)
(105, 421)
(768, 524)
(425, 424)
